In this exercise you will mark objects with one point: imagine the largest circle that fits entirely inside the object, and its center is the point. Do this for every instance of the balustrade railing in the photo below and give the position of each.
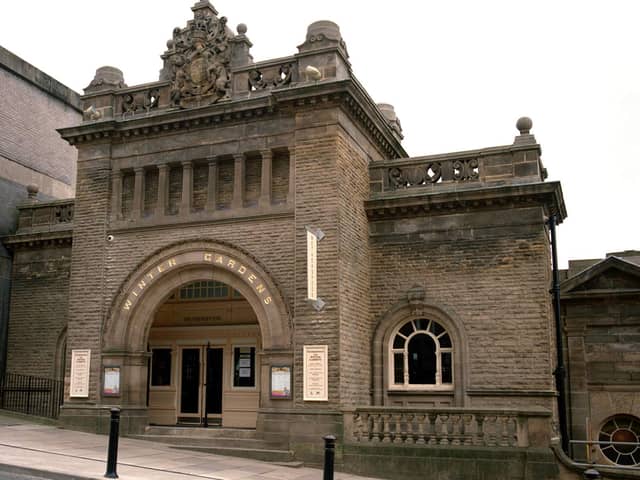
(449, 427)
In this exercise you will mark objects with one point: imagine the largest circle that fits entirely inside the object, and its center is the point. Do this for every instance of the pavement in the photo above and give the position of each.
(49, 452)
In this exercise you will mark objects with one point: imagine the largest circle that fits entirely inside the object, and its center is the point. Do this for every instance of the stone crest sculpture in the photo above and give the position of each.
(197, 60)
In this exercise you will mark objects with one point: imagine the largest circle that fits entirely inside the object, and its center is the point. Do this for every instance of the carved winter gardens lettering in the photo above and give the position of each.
(216, 259)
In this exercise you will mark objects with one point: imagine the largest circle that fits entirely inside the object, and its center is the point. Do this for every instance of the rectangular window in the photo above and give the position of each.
(161, 367)
(398, 368)
(447, 373)
(244, 374)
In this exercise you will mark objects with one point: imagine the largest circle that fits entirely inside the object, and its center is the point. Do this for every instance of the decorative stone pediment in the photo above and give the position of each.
(197, 60)
(612, 275)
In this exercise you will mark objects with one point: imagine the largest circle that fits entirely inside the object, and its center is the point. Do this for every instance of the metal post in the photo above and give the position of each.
(329, 456)
(591, 474)
(206, 386)
(112, 456)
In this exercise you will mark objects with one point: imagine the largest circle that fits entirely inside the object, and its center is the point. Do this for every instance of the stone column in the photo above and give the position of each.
(265, 180)
(238, 181)
(291, 195)
(116, 194)
(136, 209)
(187, 187)
(161, 207)
(211, 185)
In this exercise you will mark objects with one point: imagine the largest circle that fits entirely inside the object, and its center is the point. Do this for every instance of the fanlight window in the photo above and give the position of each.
(421, 356)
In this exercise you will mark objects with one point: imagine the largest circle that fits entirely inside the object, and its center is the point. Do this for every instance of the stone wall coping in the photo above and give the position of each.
(14, 64)
(464, 154)
(50, 203)
(271, 62)
(301, 411)
(526, 412)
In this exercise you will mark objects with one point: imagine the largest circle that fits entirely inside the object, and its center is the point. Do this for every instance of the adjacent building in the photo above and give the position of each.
(32, 154)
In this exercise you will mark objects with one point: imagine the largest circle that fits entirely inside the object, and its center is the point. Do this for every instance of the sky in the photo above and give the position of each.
(458, 72)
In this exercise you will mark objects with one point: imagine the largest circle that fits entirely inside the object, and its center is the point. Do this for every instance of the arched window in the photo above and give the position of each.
(421, 357)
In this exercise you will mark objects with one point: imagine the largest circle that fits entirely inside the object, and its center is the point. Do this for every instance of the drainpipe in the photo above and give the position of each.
(560, 371)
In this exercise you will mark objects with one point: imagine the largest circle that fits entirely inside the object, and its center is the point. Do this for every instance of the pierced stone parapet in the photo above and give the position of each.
(49, 216)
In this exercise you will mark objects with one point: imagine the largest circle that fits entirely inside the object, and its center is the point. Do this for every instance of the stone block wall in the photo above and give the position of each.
(489, 271)
(39, 300)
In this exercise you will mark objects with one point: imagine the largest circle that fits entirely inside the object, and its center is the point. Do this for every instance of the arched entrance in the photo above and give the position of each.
(146, 314)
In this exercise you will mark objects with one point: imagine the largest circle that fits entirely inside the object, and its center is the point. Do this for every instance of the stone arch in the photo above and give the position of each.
(151, 283)
(412, 307)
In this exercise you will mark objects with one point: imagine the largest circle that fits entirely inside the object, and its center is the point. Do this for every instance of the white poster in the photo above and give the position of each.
(80, 368)
(315, 375)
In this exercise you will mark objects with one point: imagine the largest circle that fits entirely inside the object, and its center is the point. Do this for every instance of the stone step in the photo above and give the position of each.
(200, 432)
(207, 441)
(281, 457)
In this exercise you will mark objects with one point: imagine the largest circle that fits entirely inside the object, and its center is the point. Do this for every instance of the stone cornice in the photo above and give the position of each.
(411, 203)
(58, 238)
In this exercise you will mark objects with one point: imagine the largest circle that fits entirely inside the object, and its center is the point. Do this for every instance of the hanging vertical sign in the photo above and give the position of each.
(313, 237)
(80, 368)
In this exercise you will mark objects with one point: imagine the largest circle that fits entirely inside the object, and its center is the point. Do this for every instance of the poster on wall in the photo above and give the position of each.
(281, 381)
(111, 387)
(80, 368)
(315, 375)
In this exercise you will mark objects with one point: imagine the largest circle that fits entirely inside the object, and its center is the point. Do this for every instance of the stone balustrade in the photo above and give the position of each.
(448, 426)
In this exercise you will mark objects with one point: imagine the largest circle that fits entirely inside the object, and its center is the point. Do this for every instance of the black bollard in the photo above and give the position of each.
(591, 474)
(112, 455)
(329, 456)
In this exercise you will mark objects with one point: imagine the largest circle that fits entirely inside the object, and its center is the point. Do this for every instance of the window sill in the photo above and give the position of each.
(448, 391)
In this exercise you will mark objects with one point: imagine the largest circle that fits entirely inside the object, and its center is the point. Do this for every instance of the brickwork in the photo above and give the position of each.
(200, 183)
(496, 288)
(128, 181)
(150, 191)
(29, 117)
(253, 174)
(353, 277)
(280, 177)
(224, 186)
(39, 299)
(316, 207)
(90, 263)
(175, 190)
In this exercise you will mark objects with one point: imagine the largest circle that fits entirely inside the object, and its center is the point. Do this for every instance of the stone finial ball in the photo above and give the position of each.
(32, 189)
(524, 124)
(241, 28)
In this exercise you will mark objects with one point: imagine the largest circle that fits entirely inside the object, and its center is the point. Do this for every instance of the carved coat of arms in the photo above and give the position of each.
(197, 61)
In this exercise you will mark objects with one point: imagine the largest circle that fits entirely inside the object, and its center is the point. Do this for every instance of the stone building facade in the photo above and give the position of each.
(601, 310)
(252, 247)
(32, 106)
